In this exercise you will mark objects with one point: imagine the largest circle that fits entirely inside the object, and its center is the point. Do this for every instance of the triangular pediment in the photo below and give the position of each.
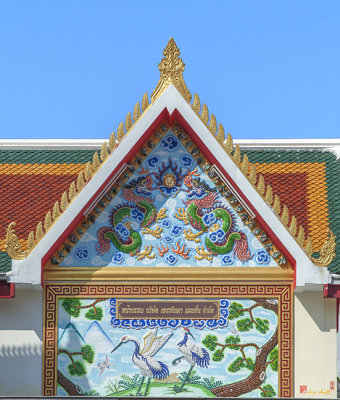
(87, 207)
(169, 207)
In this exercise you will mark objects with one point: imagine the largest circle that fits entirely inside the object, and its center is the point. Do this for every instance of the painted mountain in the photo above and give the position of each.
(71, 339)
(98, 339)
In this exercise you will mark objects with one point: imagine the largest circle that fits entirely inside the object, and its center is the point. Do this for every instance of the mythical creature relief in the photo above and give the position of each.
(170, 213)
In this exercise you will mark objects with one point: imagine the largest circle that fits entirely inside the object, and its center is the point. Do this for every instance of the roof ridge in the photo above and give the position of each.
(171, 69)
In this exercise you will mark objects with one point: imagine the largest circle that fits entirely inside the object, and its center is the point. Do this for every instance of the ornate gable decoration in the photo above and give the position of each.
(171, 69)
(169, 208)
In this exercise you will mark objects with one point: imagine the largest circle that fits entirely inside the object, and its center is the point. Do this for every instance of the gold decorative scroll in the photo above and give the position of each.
(171, 68)
(327, 253)
(13, 246)
(168, 309)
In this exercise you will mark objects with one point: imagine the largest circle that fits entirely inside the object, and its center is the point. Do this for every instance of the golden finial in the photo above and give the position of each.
(55, 213)
(228, 146)
(63, 201)
(120, 132)
(309, 246)
(293, 226)
(261, 186)
(112, 142)
(285, 215)
(245, 164)
(220, 134)
(72, 191)
(87, 171)
(128, 121)
(205, 114)
(95, 161)
(80, 181)
(103, 152)
(13, 245)
(48, 221)
(277, 205)
(136, 112)
(171, 68)
(252, 174)
(196, 104)
(212, 124)
(301, 236)
(39, 233)
(145, 101)
(30, 241)
(327, 253)
(269, 195)
(237, 155)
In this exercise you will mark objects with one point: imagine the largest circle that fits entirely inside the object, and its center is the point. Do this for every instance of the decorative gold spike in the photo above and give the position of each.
(229, 146)
(245, 164)
(171, 68)
(327, 253)
(220, 134)
(13, 246)
(205, 114)
(95, 162)
(128, 122)
(120, 132)
(72, 191)
(277, 205)
(30, 241)
(252, 174)
(237, 155)
(196, 104)
(48, 221)
(136, 112)
(285, 215)
(301, 236)
(88, 171)
(212, 124)
(261, 186)
(63, 202)
(309, 246)
(80, 181)
(269, 195)
(39, 233)
(293, 226)
(112, 142)
(145, 102)
(56, 211)
(103, 152)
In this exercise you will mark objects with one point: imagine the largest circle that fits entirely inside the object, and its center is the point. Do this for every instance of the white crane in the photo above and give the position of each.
(143, 358)
(193, 353)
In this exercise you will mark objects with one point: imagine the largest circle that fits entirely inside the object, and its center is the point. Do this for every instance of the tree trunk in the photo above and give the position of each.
(70, 387)
(256, 378)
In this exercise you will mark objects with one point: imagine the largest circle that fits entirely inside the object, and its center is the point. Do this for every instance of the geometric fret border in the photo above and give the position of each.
(281, 292)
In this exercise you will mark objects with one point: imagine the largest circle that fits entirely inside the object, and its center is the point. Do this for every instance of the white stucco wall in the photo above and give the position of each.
(315, 345)
(20, 343)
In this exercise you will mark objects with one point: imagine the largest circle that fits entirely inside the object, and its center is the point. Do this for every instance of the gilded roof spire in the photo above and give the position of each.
(171, 68)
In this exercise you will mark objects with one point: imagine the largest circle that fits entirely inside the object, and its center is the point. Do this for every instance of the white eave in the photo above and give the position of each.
(29, 269)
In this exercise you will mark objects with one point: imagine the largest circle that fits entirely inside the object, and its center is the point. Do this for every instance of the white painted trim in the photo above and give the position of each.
(29, 269)
(95, 144)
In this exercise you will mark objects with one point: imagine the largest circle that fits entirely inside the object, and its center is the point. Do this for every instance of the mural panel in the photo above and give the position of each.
(229, 348)
(169, 213)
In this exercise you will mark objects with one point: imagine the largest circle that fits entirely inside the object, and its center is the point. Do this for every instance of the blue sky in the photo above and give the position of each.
(73, 69)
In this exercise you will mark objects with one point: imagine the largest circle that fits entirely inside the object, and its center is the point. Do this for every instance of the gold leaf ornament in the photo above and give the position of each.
(171, 69)
(327, 253)
(13, 245)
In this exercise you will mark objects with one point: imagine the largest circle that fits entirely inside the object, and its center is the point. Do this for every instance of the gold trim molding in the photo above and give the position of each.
(162, 274)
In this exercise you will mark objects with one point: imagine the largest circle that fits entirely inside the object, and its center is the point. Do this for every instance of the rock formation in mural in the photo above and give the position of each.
(102, 353)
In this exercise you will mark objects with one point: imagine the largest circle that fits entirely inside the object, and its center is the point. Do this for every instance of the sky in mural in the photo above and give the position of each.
(169, 213)
(266, 69)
